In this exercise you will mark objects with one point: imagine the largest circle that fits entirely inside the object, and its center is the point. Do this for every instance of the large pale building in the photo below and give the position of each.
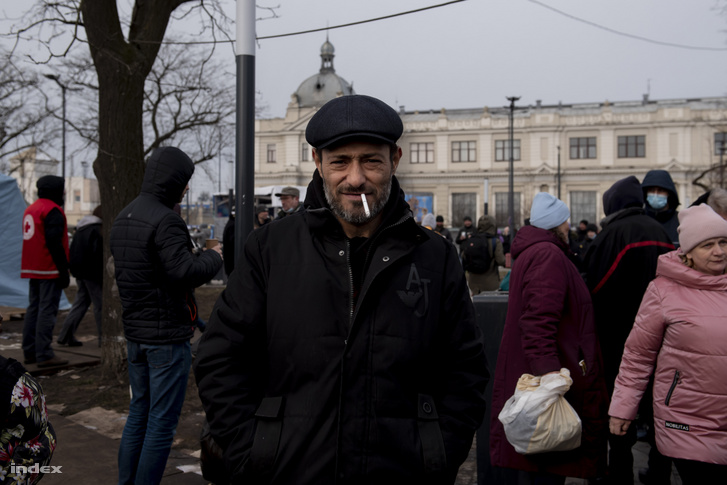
(457, 160)
(82, 193)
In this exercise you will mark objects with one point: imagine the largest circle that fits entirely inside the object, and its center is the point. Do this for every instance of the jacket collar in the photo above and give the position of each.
(622, 214)
(670, 266)
(321, 217)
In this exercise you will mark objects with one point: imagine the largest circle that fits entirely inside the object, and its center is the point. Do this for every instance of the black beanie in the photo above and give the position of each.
(51, 187)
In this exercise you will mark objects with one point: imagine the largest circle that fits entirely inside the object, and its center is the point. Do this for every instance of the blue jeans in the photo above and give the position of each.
(158, 377)
(44, 297)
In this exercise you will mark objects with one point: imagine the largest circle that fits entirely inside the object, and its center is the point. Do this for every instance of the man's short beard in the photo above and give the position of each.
(358, 217)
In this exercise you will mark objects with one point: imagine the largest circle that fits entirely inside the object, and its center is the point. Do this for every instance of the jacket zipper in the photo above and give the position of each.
(671, 389)
(352, 311)
(345, 348)
(351, 305)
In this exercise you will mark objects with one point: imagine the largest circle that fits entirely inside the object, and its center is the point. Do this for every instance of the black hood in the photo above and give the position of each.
(662, 179)
(167, 174)
(624, 193)
(51, 187)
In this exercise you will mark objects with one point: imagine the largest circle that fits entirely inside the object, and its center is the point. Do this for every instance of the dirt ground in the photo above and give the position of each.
(85, 388)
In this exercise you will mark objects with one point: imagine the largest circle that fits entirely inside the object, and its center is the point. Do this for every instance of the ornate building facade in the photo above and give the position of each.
(456, 162)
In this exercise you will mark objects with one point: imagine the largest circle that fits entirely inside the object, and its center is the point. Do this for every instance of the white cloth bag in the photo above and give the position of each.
(538, 419)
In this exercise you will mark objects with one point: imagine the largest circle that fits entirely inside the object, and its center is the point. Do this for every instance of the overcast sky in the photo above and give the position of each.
(476, 52)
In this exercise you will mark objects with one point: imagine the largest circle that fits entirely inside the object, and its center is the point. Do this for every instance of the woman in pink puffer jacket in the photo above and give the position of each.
(681, 328)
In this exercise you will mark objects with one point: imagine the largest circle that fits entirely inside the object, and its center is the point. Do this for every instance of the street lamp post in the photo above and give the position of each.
(721, 164)
(63, 87)
(559, 172)
(511, 178)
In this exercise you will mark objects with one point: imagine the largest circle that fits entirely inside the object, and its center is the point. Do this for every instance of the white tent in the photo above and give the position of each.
(13, 289)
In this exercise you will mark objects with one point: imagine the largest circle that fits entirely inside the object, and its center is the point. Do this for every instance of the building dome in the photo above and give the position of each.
(320, 88)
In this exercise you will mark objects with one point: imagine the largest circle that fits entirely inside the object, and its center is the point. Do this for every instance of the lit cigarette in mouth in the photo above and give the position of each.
(366, 205)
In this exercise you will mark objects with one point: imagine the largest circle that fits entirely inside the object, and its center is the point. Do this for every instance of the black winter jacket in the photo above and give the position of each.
(303, 385)
(668, 218)
(619, 264)
(86, 252)
(155, 268)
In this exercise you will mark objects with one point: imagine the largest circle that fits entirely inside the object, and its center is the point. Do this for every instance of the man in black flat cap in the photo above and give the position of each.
(290, 202)
(372, 370)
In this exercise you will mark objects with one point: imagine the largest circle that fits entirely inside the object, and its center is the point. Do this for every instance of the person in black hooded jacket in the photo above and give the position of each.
(372, 370)
(662, 200)
(156, 273)
(619, 265)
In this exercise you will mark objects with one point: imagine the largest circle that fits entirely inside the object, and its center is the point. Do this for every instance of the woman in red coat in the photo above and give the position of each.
(549, 326)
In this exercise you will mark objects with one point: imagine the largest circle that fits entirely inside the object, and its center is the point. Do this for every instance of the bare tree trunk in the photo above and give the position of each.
(119, 168)
(121, 67)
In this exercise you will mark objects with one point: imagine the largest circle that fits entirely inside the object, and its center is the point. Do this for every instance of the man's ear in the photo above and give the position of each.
(395, 160)
(318, 161)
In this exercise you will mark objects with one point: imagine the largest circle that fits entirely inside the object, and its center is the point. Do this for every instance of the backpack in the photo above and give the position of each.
(477, 255)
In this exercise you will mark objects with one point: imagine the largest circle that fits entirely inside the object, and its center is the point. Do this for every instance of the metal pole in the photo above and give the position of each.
(487, 194)
(219, 167)
(559, 172)
(721, 164)
(245, 119)
(511, 177)
(63, 153)
(56, 78)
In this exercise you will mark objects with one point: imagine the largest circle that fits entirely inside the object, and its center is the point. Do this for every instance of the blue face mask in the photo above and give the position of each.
(656, 201)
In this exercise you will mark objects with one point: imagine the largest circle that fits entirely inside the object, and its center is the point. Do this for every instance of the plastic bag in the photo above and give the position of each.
(538, 419)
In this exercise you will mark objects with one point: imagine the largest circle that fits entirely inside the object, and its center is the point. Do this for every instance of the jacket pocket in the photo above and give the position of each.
(430, 434)
(269, 424)
(673, 386)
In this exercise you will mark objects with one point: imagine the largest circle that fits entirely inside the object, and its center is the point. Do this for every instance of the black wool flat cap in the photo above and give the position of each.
(353, 116)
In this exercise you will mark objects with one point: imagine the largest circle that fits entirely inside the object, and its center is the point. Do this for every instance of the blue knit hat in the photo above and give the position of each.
(548, 211)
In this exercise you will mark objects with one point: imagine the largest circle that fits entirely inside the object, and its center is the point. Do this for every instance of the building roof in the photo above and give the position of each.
(322, 87)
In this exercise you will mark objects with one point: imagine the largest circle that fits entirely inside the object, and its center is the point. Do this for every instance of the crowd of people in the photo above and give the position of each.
(373, 368)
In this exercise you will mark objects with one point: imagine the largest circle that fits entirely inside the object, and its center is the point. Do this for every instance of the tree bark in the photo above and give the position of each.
(122, 67)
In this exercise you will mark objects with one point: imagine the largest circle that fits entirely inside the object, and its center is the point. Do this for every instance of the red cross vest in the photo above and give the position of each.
(37, 262)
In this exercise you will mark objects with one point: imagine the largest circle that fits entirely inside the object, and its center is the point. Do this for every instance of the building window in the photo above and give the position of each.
(632, 146)
(421, 153)
(501, 208)
(583, 206)
(464, 151)
(76, 196)
(720, 141)
(502, 150)
(304, 152)
(272, 153)
(464, 204)
(584, 147)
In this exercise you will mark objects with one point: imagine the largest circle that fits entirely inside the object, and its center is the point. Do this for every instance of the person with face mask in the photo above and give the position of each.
(662, 201)
(344, 348)
(619, 265)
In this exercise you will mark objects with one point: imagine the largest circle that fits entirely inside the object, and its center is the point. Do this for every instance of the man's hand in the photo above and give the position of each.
(64, 279)
(217, 249)
(619, 426)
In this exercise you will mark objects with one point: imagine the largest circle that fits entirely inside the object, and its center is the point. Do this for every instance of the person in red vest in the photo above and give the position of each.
(45, 263)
